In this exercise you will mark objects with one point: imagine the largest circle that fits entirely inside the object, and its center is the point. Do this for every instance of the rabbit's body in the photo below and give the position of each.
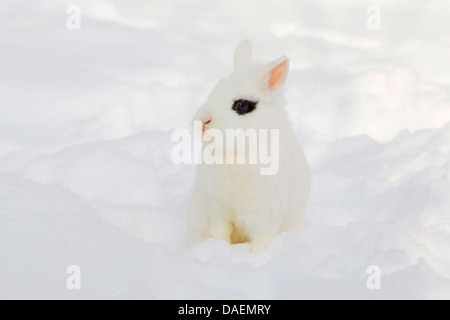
(236, 202)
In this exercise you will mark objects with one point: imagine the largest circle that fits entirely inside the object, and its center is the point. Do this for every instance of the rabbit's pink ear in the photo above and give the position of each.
(276, 74)
(243, 54)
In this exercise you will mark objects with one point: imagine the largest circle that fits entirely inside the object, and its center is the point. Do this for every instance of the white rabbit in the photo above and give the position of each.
(236, 202)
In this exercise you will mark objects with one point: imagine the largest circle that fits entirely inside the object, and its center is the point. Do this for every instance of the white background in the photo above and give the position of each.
(86, 177)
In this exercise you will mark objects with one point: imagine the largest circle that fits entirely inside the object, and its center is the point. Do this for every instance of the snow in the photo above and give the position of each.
(86, 177)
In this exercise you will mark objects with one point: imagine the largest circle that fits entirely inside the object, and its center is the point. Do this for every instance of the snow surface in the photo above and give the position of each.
(86, 177)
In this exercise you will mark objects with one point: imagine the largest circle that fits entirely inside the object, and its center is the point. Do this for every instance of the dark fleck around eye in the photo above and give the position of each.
(242, 106)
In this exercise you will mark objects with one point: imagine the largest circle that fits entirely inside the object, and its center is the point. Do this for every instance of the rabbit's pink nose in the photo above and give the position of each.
(204, 123)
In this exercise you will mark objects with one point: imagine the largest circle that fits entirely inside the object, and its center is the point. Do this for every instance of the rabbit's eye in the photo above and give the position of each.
(244, 106)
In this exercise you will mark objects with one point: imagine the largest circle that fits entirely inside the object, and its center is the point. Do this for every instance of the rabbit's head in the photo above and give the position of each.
(249, 97)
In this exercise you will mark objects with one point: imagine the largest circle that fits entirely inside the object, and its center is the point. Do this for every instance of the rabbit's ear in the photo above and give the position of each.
(243, 54)
(275, 74)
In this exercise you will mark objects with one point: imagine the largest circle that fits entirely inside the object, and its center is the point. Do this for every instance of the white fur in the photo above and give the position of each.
(234, 201)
